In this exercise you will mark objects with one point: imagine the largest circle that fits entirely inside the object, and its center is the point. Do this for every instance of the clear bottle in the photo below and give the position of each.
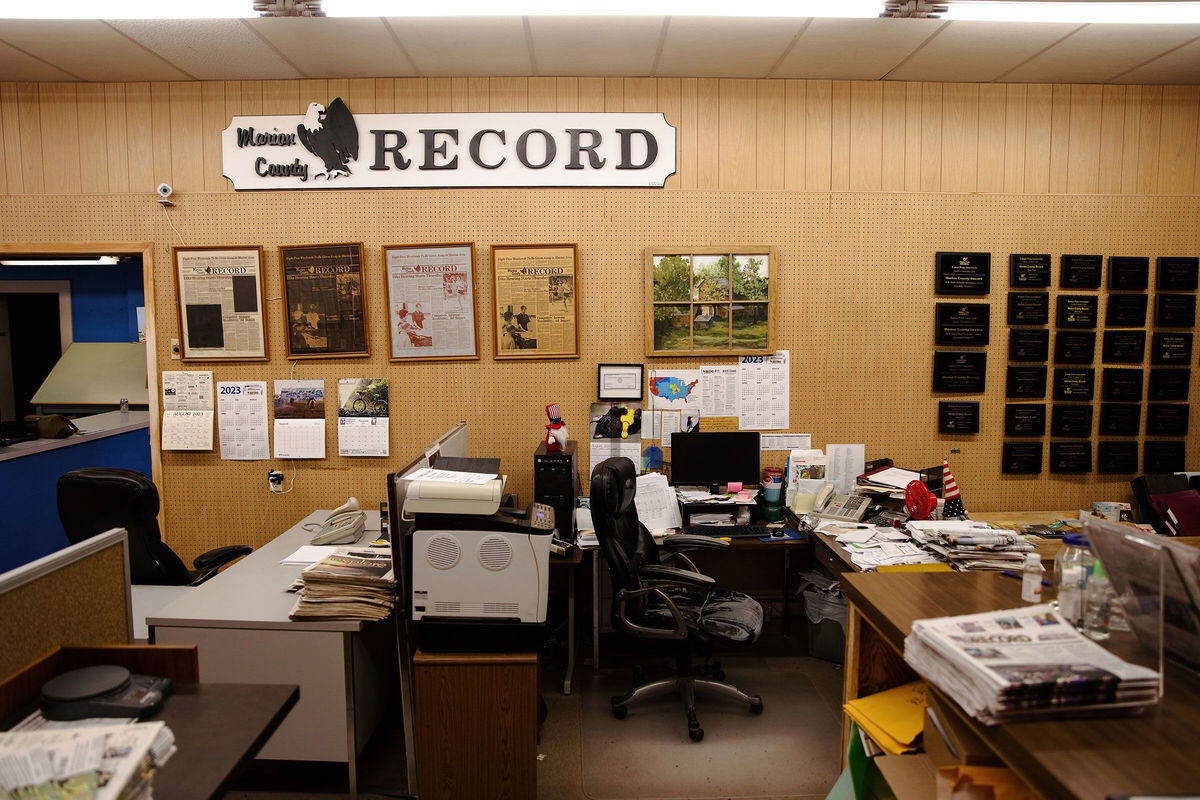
(1071, 567)
(1098, 604)
(1031, 578)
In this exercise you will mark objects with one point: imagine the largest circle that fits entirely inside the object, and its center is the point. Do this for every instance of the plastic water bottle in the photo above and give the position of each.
(1031, 578)
(1098, 604)
(1071, 567)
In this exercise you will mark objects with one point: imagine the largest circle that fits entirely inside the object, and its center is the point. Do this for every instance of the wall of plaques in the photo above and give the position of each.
(1097, 376)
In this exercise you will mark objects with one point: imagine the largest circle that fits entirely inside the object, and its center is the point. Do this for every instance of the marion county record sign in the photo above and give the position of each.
(328, 147)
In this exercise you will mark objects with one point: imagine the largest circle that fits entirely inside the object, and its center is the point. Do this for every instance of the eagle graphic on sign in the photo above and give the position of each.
(329, 133)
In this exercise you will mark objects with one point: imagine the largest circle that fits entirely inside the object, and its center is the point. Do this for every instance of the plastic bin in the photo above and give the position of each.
(825, 616)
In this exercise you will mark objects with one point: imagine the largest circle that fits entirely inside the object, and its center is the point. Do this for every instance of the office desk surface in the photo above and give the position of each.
(1156, 753)
(253, 592)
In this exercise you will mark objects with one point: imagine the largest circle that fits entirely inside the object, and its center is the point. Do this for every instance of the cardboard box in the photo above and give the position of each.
(909, 777)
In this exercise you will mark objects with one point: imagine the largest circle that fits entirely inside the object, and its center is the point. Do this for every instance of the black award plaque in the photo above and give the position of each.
(1029, 270)
(1080, 272)
(1025, 382)
(1167, 419)
(1172, 349)
(1070, 456)
(1169, 384)
(1116, 457)
(1177, 273)
(962, 324)
(1122, 385)
(1072, 420)
(1124, 347)
(1077, 310)
(1074, 384)
(1128, 272)
(1120, 419)
(1024, 419)
(1163, 457)
(959, 371)
(1028, 308)
(958, 417)
(1175, 310)
(1126, 311)
(1074, 347)
(1028, 344)
(964, 273)
(1021, 458)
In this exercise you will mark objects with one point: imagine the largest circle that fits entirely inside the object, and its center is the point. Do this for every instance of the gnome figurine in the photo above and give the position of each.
(556, 430)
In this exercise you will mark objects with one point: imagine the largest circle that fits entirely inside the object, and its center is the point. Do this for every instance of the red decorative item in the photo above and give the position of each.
(556, 431)
(954, 508)
(919, 502)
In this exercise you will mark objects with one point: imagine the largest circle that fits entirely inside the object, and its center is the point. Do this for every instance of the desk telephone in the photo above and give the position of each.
(344, 525)
(841, 506)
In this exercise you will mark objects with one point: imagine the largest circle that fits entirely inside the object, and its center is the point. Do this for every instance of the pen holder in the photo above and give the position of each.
(772, 484)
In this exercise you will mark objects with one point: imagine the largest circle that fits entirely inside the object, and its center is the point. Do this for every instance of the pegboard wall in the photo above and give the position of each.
(854, 282)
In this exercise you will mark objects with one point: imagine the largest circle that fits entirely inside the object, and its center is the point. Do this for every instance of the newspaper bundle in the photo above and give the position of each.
(971, 546)
(350, 584)
(115, 762)
(1025, 664)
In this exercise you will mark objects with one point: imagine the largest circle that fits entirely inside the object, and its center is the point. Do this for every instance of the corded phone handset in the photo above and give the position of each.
(841, 506)
(344, 525)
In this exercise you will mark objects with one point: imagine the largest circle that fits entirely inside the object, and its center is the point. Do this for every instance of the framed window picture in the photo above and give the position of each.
(220, 296)
(431, 301)
(323, 300)
(619, 381)
(710, 301)
(535, 300)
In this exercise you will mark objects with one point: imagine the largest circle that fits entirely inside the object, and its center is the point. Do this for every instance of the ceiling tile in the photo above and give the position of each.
(458, 46)
(18, 66)
(1178, 66)
(726, 47)
(209, 49)
(358, 47)
(616, 46)
(854, 49)
(972, 51)
(89, 49)
(1098, 52)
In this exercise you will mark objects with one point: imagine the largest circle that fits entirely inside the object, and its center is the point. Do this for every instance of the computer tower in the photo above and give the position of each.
(556, 483)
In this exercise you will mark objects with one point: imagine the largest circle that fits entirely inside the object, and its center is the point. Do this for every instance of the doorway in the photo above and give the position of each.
(29, 349)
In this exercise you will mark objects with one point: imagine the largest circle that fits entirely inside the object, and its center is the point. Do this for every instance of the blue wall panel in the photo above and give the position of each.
(104, 300)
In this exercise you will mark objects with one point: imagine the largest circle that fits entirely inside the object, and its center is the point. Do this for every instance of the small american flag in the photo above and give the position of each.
(953, 507)
(552, 412)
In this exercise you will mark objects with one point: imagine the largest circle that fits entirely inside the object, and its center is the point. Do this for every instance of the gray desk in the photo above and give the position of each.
(239, 621)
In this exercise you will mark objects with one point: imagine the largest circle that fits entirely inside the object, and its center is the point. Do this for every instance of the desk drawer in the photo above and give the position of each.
(829, 561)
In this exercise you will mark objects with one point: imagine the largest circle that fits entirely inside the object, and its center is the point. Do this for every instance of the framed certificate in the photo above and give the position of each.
(619, 381)
(958, 416)
(1116, 457)
(964, 273)
(962, 324)
(1024, 419)
(324, 300)
(535, 301)
(1029, 270)
(959, 371)
(431, 301)
(1080, 272)
(1071, 457)
(1021, 458)
(1131, 273)
(1071, 420)
(1028, 344)
(220, 295)
(1028, 308)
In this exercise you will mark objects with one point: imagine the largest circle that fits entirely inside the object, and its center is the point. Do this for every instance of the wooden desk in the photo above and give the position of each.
(1154, 754)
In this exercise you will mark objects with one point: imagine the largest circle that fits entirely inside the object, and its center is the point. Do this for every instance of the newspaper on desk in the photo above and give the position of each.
(1025, 664)
(971, 546)
(348, 585)
(872, 546)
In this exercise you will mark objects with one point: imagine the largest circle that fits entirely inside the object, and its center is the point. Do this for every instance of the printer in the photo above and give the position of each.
(475, 574)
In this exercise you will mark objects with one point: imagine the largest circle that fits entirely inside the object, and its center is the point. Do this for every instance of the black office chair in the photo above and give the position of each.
(656, 601)
(97, 499)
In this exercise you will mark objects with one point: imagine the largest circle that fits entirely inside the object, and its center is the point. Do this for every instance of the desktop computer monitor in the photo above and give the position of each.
(718, 457)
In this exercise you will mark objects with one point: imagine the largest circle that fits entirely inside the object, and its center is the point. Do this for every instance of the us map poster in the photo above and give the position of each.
(220, 303)
(535, 314)
(431, 301)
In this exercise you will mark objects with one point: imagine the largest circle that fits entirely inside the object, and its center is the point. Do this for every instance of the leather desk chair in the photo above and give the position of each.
(656, 601)
(97, 499)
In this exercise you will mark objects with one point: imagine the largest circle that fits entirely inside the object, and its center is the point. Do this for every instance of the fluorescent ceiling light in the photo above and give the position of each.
(613, 8)
(60, 262)
(1049, 11)
(128, 9)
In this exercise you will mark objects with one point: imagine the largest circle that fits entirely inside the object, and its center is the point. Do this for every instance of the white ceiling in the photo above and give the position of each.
(860, 49)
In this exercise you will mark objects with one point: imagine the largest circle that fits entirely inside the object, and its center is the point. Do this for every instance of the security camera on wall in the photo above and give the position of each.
(164, 194)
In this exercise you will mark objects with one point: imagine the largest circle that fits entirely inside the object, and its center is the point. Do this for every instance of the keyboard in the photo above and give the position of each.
(729, 531)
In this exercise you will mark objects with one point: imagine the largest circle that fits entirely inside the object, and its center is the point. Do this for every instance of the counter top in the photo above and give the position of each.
(97, 426)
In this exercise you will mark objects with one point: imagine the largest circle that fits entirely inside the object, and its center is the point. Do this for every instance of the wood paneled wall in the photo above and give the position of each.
(861, 136)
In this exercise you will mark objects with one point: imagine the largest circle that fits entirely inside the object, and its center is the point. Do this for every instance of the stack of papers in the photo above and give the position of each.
(350, 585)
(872, 546)
(972, 546)
(887, 480)
(893, 719)
(1025, 664)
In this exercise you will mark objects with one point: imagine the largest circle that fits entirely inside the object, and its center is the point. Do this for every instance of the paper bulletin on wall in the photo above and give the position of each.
(362, 416)
(187, 401)
(242, 420)
(299, 419)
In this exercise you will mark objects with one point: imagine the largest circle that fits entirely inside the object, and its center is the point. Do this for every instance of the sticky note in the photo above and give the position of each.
(734, 486)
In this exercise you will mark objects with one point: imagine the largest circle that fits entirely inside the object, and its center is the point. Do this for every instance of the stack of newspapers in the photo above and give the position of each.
(113, 762)
(971, 546)
(348, 584)
(1025, 664)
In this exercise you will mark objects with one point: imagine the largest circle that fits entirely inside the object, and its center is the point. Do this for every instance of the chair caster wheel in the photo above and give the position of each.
(619, 711)
(718, 675)
(757, 706)
(696, 734)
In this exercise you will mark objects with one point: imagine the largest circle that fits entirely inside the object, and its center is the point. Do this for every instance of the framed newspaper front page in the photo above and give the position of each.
(431, 301)
(220, 295)
(535, 294)
(323, 300)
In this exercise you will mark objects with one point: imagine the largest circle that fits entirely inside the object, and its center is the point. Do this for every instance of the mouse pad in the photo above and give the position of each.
(788, 535)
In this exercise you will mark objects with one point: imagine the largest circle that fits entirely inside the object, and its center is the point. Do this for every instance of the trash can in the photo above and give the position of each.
(825, 612)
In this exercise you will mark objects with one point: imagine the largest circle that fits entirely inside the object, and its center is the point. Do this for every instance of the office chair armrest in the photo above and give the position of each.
(220, 556)
(680, 631)
(683, 541)
(657, 573)
(677, 555)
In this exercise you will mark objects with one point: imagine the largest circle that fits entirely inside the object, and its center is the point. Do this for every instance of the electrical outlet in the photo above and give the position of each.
(175, 349)
(275, 480)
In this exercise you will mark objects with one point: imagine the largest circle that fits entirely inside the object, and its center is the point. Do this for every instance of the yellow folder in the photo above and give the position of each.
(893, 718)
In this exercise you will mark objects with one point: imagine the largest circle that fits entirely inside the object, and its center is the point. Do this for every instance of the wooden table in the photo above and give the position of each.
(1157, 753)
